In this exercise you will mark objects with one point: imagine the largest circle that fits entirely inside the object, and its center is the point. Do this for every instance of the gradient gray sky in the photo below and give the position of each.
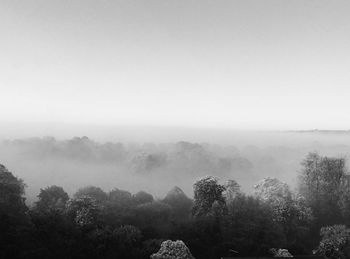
(225, 64)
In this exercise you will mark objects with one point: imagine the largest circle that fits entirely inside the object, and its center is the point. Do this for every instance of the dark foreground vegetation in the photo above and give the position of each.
(219, 221)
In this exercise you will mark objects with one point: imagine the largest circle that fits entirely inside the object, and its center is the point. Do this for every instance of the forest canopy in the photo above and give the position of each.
(218, 221)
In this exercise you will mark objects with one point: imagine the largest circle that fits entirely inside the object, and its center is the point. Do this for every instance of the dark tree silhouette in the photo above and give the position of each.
(13, 215)
(52, 198)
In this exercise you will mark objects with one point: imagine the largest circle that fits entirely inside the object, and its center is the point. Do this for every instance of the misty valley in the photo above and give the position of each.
(174, 129)
(80, 198)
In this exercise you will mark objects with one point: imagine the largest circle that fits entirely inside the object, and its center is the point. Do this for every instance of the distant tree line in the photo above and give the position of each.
(219, 221)
(139, 159)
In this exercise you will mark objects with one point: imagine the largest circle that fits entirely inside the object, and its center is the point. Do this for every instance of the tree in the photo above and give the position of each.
(271, 189)
(232, 188)
(120, 198)
(208, 213)
(280, 252)
(118, 208)
(54, 233)
(52, 198)
(320, 182)
(13, 214)
(93, 192)
(142, 197)
(180, 203)
(150, 246)
(173, 250)
(275, 193)
(52, 230)
(128, 241)
(101, 244)
(11, 194)
(335, 242)
(129, 236)
(249, 227)
(83, 210)
(207, 192)
(153, 215)
(344, 202)
(288, 209)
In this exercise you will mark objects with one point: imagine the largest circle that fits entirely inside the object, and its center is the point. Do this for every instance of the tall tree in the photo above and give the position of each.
(321, 180)
(13, 214)
(207, 192)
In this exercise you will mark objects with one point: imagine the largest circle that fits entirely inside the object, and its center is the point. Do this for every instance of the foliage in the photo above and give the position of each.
(55, 233)
(13, 214)
(173, 250)
(150, 246)
(120, 198)
(84, 211)
(272, 190)
(289, 210)
(207, 191)
(179, 202)
(143, 197)
(93, 192)
(128, 235)
(277, 194)
(129, 241)
(248, 216)
(11, 193)
(281, 252)
(232, 189)
(284, 204)
(154, 216)
(320, 184)
(335, 242)
(94, 224)
(52, 198)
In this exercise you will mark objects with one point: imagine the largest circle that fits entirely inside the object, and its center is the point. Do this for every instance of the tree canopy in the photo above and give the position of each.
(224, 220)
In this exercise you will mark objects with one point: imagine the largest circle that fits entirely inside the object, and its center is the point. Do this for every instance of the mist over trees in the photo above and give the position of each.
(220, 220)
(156, 167)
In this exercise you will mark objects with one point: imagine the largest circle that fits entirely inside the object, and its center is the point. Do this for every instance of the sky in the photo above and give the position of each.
(247, 64)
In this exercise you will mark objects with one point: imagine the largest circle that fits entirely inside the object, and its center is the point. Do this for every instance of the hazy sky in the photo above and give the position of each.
(195, 63)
